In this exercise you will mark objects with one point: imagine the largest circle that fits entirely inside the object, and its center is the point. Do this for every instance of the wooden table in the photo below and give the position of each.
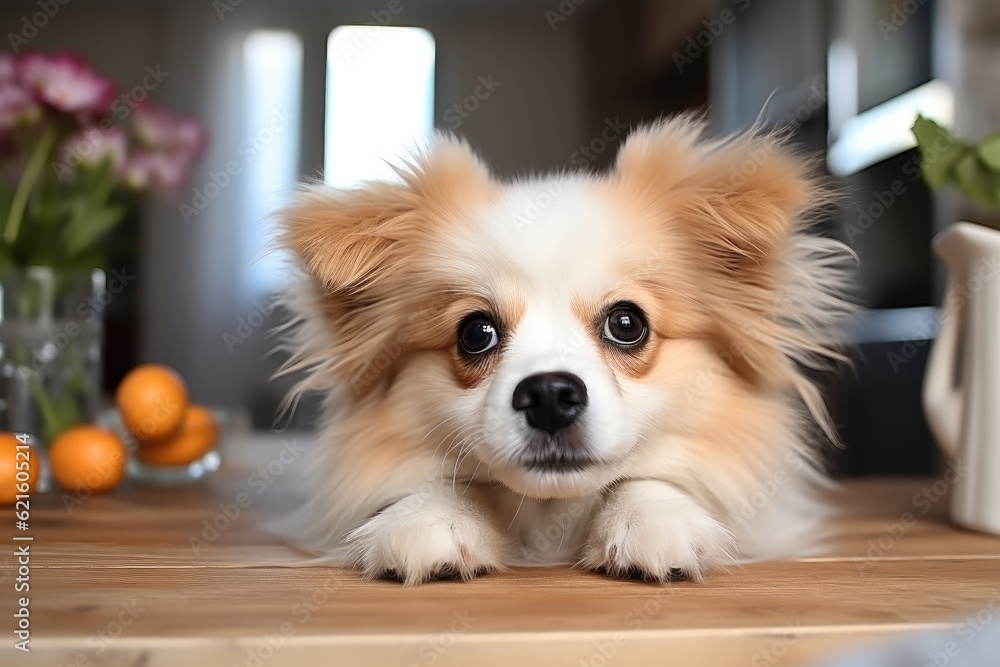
(118, 582)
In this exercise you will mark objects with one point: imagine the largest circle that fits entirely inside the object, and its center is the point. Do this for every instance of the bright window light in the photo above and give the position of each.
(884, 131)
(272, 66)
(842, 84)
(379, 100)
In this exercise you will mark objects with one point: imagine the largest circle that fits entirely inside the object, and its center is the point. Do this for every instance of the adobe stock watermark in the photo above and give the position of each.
(92, 140)
(363, 35)
(740, 173)
(432, 650)
(971, 627)
(573, 341)
(697, 44)
(954, 302)
(922, 502)
(539, 202)
(247, 151)
(375, 366)
(814, 102)
(544, 544)
(766, 490)
(757, 328)
(884, 199)
(30, 25)
(778, 649)
(302, 612)
(86, 312)
(562, 12)
(100, 641)
(270, 643)
(96, 478)
(257, 483)
(224, 7)
(434, 480)
(249, 323)
(899, 16)
(461, 111)
(612, 131)
(635, 620)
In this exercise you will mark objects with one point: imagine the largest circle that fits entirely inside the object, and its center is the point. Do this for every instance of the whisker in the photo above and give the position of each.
(472, 479)
(517, 511)
(454, 442)
(562, 536)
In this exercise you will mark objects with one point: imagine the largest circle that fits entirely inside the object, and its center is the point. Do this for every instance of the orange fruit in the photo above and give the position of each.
(87, 458)
(12, 462)
(195, 438)
(151, 399)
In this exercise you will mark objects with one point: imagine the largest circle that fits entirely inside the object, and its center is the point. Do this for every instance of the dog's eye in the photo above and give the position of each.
(624, 325)
(477, 334)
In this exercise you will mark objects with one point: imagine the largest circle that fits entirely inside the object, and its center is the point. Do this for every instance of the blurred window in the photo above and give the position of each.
(272, 67)
(379, 100)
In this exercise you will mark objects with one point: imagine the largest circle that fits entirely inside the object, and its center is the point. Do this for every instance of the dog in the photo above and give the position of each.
(610, 370)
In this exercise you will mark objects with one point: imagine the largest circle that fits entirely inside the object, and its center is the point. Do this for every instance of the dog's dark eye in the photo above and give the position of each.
(625, 325)
(477, 334)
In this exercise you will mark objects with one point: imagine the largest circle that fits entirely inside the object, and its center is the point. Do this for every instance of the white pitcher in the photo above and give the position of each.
(962, 383)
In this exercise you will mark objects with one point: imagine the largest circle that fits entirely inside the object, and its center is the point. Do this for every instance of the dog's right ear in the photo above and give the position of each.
(350, 239)
(344, 237)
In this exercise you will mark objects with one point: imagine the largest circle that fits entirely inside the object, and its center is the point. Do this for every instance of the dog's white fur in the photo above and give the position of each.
(704, 441)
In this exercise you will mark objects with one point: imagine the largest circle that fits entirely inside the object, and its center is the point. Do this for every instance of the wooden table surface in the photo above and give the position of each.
(121, 580)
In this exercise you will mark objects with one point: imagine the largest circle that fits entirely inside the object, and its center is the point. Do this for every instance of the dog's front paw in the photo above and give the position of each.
(653, 531)
(424, 537)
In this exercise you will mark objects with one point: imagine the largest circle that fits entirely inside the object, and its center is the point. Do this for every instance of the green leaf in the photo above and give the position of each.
(53, 211)
(6, 259)
(989, 151)
(104, 182)
(90, 226)
(6, 198)
(976, 180)
(939, 151)
(31, 173)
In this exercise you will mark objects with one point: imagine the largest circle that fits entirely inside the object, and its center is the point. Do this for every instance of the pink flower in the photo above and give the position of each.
(8, 70)
(66, 82)
(169, 145)
(161, 172)
(91, 146)
(17, 105)
(162, 131)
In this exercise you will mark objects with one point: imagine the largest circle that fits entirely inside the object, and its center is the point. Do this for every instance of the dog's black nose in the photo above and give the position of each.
(550, 401)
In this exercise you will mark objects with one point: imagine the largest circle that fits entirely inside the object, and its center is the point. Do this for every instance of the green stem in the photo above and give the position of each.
(50, 417)
(53, 424)
(24, 187)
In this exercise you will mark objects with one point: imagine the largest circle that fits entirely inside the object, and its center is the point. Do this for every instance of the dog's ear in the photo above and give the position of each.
(361, 246)
(738, 198)
(732, 206)
(348, 239)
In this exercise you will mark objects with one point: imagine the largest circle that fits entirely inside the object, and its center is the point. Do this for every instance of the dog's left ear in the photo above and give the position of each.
(739, 197)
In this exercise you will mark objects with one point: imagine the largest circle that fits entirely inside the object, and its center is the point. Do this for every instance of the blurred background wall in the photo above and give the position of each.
(564, 77)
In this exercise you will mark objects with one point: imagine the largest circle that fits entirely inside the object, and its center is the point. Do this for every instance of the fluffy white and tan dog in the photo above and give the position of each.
(607, 370)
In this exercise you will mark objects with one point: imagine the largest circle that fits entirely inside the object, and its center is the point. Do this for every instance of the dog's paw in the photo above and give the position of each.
(420, 538)
(651, 530)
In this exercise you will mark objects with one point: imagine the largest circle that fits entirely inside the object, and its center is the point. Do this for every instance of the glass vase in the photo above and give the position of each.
(51, 340)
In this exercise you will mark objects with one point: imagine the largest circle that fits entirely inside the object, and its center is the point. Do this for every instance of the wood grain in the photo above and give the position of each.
(116, 582)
